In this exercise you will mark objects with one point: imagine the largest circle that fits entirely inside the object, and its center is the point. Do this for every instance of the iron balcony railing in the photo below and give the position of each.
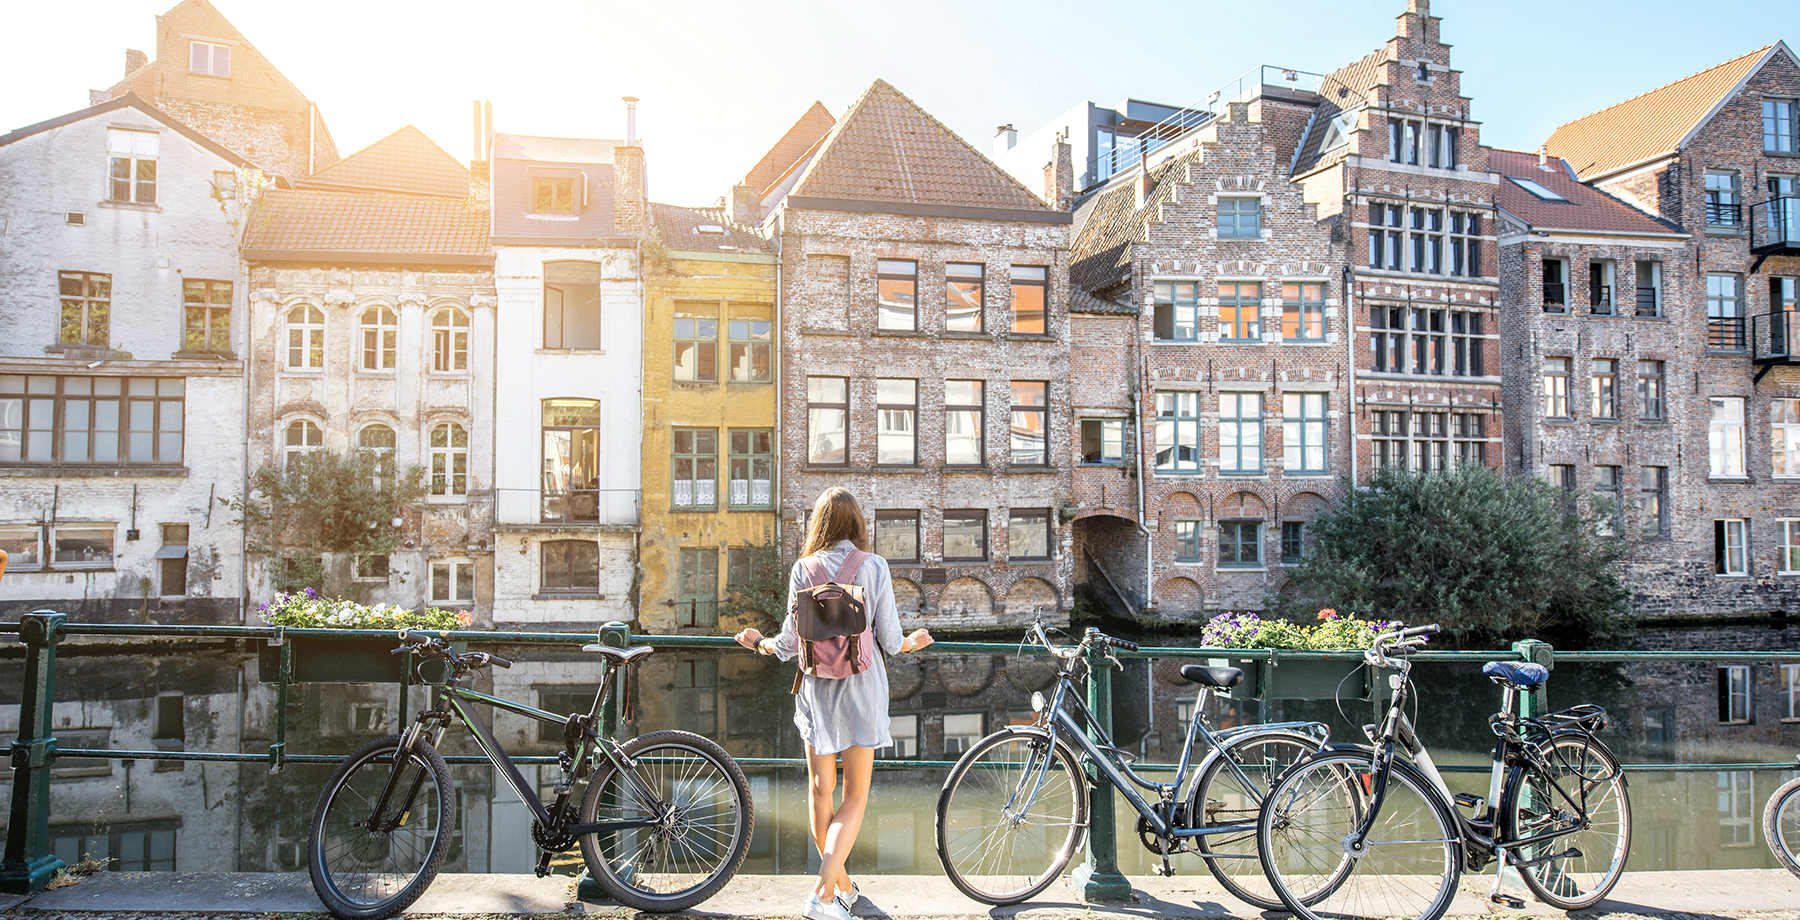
(1724, 214)
(1725, 333)
(1775, 225)
(1600, 298)
(1775, 337)
(1649, 301)
(1131, 150)
(571, 505)
(30, 863)
(1556, 298)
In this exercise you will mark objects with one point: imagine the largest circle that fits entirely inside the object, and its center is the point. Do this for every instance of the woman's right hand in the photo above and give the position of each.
(749, 638)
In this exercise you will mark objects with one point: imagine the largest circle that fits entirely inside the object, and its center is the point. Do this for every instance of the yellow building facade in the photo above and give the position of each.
(709, 408)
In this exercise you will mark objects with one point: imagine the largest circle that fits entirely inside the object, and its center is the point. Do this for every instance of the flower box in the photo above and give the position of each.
(1296, 679)
(321, 659)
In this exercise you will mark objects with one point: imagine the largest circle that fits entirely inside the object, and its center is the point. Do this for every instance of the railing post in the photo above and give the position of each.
(1098, 878)
(29, 864)
(617, 635)
(1532, 703)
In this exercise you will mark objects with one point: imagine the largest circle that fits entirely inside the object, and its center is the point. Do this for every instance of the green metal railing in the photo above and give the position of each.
(28, 863)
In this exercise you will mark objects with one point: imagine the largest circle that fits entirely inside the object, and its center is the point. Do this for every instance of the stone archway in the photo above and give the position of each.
(1029, 595)
(965, 601)
(1180, 599)
(1109, 563)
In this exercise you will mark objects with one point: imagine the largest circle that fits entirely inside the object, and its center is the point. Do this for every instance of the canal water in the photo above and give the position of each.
(165, 815)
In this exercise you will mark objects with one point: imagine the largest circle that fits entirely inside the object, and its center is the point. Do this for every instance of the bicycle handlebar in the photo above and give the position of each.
(1089, 639)
(413, 640)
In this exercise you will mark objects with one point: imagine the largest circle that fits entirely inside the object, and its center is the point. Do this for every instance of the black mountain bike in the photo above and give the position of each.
(664, 824)
(1014, 808)
(1361, 831)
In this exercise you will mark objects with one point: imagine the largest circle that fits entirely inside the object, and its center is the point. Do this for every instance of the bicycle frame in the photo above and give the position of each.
(450, 699)
(1397, 730)
(1126, 780)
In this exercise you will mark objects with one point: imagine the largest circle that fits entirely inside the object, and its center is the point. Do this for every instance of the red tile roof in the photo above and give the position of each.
(1654, 124)
(704, 230)
(311, 225)
(1584, 208)
(887, 149)
(404, 162)
(801, 137)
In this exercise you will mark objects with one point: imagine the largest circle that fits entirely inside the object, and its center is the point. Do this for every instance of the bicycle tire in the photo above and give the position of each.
(1550, 881)
(1408, 792)
(1072, 776)
(324, 882)
(617, 881)
(1781, 817)
(1202, 811)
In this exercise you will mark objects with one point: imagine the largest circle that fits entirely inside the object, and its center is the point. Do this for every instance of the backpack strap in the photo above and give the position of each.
(846, 573)
(815, 571)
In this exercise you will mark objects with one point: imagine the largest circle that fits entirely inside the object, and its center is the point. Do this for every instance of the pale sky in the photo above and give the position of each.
(721, 80)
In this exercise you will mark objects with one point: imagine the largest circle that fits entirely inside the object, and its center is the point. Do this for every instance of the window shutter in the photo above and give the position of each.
(1724, 679)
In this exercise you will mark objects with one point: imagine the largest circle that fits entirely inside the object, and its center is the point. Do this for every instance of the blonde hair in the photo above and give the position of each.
(835, 516)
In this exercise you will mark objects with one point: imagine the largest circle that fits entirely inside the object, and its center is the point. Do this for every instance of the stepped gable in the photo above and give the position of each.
(405, 162)
(887, 149)
(1654, 124)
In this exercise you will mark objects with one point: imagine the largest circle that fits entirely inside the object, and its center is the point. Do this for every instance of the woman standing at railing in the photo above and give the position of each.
(843, 717)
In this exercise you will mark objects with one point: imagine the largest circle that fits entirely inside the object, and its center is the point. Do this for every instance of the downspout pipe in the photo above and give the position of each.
(1137, 422)
(1350, 366)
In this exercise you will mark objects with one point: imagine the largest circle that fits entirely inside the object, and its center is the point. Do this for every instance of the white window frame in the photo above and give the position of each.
(1737, 687)
(1784, 439)
(1790, 688)
(25, 532)
(290, 450)
(216, 52)
(450, 341)
(378, 339)
(455, 483)
(135, 146)
(1788, 562)
(1725, 438)
(453, 565)
(111, 562)
(1737, 809)
(310, 346)
(1771, 125)
(1736, 562)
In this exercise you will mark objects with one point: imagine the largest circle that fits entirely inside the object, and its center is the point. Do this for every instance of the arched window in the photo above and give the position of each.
(449, 459)
(380, 333)
(449, 341)
(378, 441)
(300, 438)
(305, 337)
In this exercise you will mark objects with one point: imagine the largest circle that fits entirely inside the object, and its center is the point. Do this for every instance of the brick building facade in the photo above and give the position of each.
(1717, 155)
(207, 74)
(924, 343)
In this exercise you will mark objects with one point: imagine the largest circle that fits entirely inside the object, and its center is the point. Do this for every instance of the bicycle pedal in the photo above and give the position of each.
(1469, 800)
(1165, 870)
(1507, 900)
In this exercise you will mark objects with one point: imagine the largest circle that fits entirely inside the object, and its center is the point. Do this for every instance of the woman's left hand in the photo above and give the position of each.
(917, 639)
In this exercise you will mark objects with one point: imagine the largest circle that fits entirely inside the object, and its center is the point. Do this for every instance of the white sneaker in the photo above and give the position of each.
(824, 910)
(848, 901)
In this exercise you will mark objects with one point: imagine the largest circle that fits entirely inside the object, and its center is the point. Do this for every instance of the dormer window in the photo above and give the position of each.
(209, 58)
(553, 195)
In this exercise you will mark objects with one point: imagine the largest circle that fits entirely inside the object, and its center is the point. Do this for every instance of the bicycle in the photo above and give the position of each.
(1015, 806)
(1781, 824)
(1358, 831)
(664, 824)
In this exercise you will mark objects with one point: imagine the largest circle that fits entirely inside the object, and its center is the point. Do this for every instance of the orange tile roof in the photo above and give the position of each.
(406, 162)
(325, 226)
(1651, 125)
(809, 130)
(888, 149)
(1583, 207)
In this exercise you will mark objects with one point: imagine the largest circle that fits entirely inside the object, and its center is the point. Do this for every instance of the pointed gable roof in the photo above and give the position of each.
(405, 162)
(806, 133)
(888, 154)
(1655, 124)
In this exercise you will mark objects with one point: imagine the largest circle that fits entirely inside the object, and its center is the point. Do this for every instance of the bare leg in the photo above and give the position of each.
(821, 773)
(840, 836)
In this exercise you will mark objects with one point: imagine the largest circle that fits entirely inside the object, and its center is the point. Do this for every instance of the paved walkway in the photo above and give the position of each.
(1759, 893)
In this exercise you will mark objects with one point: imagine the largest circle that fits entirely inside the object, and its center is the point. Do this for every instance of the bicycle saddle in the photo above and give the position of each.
(620, 655)
(1208, 676)
(1521, 674)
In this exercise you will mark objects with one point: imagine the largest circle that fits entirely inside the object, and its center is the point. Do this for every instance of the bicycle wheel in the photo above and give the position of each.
(1781, 824)
(366, 865)
(695, 842)
(1010, 817)
(1223, 797)
(1576, 870)
(1411, 859)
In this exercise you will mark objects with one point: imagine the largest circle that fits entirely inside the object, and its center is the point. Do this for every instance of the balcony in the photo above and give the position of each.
(1774, 340)
(566, 508)
(1775, 227)
(1725, 333)
(1726, 214)
(1649, 301)
(1556, 297)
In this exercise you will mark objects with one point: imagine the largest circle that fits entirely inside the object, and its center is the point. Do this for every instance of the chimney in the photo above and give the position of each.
(1544, 157)
(744, 206)
(1005, 137)
(1141, 182)
(631, 206)
(1059, 173)
(134, 59)
(481, 145)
